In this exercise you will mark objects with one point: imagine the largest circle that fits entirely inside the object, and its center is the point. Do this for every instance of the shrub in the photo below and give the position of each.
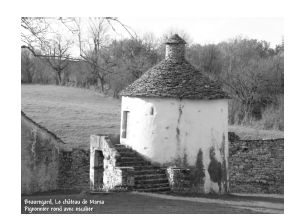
(273, 116)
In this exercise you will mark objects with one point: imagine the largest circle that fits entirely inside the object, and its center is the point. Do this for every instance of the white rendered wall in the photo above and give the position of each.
(176, 128)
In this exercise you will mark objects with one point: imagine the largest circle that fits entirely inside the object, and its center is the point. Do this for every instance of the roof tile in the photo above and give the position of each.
(172, 79)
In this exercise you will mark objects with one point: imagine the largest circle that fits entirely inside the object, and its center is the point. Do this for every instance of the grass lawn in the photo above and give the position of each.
(136, 203)
(73, 114)
(253, 133)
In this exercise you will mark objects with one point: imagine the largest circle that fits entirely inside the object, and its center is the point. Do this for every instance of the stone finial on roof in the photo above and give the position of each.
(175, 48)
(175, 39)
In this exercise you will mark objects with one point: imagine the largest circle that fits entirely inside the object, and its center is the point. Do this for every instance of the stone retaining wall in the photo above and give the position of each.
(47, 163)
(74, 170)
(183, 180)
(113, 175)
(257, 166)
(39, 157)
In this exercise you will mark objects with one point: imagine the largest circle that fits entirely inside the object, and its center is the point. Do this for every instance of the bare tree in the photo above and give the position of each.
(27, 67)
(91, 49)
(128, 60)
(33, 34)
(34, 30)
(58, 53)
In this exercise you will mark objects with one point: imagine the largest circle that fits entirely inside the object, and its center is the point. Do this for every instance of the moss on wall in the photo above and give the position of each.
(197, 172)
(74, 168)
(224, 180)
(188, 178)
(214, 167)
(39, 158)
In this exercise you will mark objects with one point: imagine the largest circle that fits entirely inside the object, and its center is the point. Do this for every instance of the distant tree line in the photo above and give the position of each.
(250, 70)
(252, 73)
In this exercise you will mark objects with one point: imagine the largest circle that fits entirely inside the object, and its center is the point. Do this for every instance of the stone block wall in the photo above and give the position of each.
(113, 176)
(65, 174)
(175, 52)
(81, 168)
(179, 179)
(257, 166)
(47, 163)
(74, 169)
(119, 177)
(39, 157)
(187, 179)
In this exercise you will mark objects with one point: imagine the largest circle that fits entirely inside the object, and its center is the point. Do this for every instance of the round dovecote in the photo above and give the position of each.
(174, 115)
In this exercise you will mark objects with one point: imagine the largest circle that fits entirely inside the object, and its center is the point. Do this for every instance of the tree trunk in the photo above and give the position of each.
(102, 82)
(59, 78)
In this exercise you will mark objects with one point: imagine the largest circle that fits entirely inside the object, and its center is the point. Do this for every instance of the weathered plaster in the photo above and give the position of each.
(177, 130)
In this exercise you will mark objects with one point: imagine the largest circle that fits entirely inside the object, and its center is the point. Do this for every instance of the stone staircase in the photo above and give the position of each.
(148, 178)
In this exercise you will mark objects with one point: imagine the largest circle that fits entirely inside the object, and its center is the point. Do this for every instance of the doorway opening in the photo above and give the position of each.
(99, 169)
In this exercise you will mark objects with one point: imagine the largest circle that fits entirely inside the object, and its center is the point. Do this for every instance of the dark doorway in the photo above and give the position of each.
(99, 169)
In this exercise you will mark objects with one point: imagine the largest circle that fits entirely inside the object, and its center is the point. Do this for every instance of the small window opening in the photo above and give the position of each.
(124, 124)
(152, 111)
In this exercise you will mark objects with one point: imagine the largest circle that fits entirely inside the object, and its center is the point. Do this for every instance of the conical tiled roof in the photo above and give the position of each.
(175, 79)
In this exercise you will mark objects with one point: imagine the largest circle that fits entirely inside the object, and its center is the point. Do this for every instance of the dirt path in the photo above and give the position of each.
(126, 203)
(274, 205)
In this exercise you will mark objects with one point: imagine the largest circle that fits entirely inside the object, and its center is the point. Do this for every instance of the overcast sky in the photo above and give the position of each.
(211, 30)
(199, 30)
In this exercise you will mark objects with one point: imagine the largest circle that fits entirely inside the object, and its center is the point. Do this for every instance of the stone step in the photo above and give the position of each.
(148, 177)
(133, 164)
(120, 146)
(130, 159)
(151, 181)
(147, 186)
(128, 154)
(149, 170)
(125, 151)
(160, 189)
(143, 168)
(151, 176)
